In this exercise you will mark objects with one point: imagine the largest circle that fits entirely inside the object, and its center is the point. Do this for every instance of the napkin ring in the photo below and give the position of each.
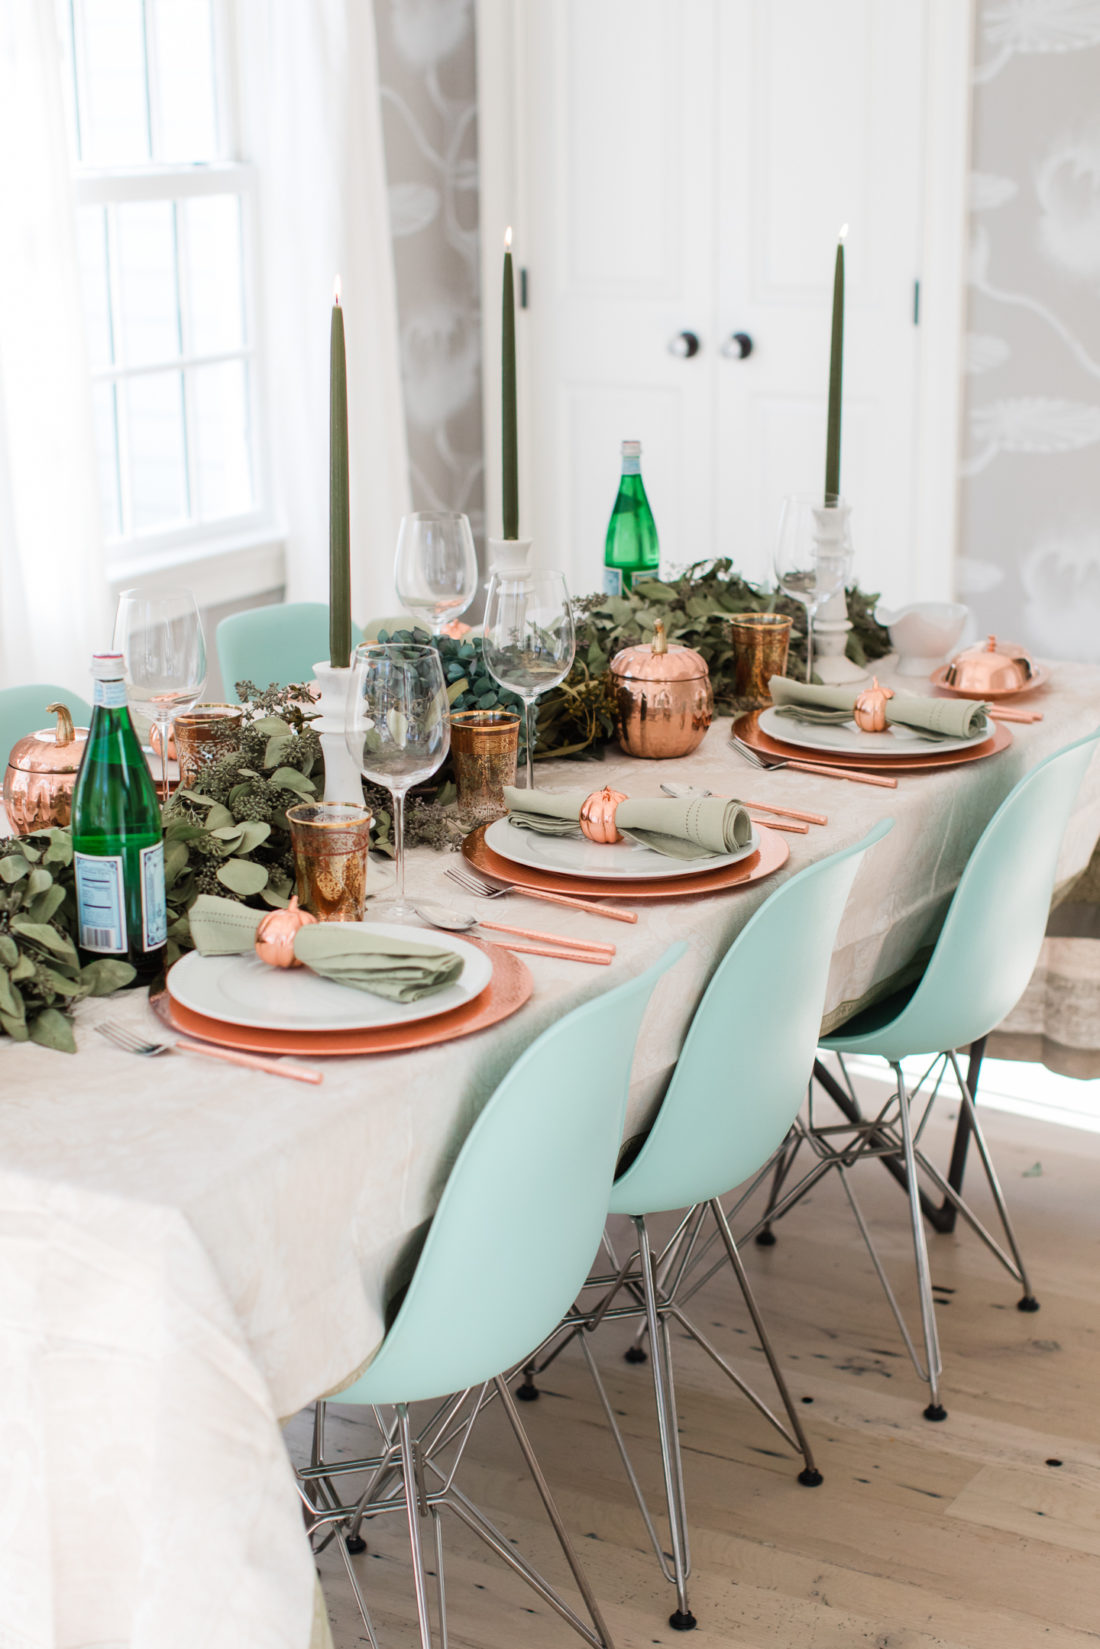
(598, 815)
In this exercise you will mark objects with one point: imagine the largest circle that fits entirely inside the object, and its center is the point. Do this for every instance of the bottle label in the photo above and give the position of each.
(101, 903)
(612, 581)
(154, 905)
(111, 694)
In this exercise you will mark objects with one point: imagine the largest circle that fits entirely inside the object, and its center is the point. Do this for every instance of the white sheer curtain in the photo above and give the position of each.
(54, 608)
(311, 122)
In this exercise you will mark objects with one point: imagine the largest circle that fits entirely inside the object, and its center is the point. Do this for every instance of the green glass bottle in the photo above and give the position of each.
(631, 547)
(118, 847)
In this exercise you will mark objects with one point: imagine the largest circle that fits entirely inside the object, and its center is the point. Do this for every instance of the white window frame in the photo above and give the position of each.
(234, 556)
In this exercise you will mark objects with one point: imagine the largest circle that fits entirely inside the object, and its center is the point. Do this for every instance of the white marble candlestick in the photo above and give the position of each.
(510, 557)
(831, 664)
(343, 780)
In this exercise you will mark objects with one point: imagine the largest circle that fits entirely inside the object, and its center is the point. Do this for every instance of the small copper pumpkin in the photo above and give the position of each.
(276, 934)
(598, 815)
(870, 707)
(41, 774)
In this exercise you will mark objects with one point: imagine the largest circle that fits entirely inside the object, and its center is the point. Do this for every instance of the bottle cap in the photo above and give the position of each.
(108, 667)
(632, 449)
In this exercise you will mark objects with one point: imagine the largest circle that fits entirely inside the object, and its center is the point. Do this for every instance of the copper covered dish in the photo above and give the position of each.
(663, 698)
(991, 667)
(41, 773)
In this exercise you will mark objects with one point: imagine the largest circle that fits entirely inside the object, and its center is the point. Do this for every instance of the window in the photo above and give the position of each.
(164, 229)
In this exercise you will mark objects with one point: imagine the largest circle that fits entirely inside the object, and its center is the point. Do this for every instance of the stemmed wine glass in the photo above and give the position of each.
(435, 568)
(159, 634)
(398, 730)
(528, 640)
(813, 555)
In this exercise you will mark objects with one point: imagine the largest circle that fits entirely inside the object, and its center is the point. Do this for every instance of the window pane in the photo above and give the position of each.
(149, 319)
(154, 433)
(110, 53)
(91, 243)
(106, 449)
(222, 439)
(187, 127)
(215, 295)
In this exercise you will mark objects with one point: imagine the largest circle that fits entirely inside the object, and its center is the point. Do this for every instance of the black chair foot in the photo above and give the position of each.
(636, 1354)
(355, 1544)
(766, 1238)
(811, 1478)
(1028, 1303)
(935, 1411)
(528, 1392)
(682, 1620)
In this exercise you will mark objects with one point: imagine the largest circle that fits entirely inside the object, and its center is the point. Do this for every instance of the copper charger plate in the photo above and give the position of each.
(769, 856)
(746, 727)
(508, 989)
(938, 678)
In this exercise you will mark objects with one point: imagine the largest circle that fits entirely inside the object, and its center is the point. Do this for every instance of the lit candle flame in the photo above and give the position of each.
(843, 236)
(508, 238)
(336, 289)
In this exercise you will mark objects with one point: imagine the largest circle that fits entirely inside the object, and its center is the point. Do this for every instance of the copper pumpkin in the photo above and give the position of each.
(41, 774)
(870, 708)
(663, 698)
(276, 934)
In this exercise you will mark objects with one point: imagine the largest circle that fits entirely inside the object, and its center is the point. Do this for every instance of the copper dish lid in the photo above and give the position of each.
(991, 667)
(658, 661)
(41, 773)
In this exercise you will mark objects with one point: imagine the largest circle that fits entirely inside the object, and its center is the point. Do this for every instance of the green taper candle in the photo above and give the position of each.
(509, 445)
(339, 517)
(836, 378)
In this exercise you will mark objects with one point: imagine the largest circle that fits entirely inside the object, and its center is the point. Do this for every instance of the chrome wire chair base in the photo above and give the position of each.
(408, 1475)
(893, 1135)
(654, 1286)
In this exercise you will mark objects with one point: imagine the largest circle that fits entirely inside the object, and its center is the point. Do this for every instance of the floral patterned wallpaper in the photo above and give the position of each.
(1030, 495)
(428, 74)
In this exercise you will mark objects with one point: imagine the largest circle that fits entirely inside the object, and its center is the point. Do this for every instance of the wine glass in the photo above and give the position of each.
(528, 639)
(159, 634)
(435, 568)
(813, 555)
(398, 730)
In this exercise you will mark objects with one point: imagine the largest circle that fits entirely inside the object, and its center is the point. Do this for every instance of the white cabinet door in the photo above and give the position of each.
(686, 167)
(617, 233)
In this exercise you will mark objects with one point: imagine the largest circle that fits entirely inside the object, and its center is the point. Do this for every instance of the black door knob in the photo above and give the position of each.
(684, 344)
(737, 347)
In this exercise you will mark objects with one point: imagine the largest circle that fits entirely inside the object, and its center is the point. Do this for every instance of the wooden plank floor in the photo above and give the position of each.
(963, 1535)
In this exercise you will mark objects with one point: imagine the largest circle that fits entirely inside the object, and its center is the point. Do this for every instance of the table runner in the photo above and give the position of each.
(186, 1258)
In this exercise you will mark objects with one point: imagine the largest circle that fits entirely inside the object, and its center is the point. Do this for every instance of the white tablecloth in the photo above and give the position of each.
(189, 1251)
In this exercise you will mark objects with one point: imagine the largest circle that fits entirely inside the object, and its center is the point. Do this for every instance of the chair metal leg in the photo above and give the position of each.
(415, 1503)
(935, 1409)
(437, 1528)
(810, 1477)
(681, 1619)
(1028, 1302)
(765, 1236)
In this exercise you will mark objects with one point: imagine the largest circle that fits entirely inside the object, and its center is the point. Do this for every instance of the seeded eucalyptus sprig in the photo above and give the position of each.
(40, 973)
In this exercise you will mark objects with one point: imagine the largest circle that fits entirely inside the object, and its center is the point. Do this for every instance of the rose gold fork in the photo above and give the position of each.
(131, 1043)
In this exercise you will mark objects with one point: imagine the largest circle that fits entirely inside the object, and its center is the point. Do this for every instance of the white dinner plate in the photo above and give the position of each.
(846, 736)
(242, 990)
(609, 862)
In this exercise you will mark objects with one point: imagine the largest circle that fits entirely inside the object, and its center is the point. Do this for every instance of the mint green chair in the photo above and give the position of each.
(984, 957)
(737, 1087)
(539, 1159)
(23, 710)
(280, 643)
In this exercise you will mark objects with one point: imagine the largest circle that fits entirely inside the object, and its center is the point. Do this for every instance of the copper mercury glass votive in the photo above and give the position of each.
(330, 842)
(760, 643)
(484, 747)
(203, 734)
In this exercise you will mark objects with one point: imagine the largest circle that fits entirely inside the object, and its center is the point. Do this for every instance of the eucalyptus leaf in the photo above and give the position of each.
(242, 876)
(38, 881)
(13, 867)
(219, 818)
(40, 933)
(15, 1028)
(9, 951)
(47, 905)
(106, 975)
(289, 778)
(52, 1030)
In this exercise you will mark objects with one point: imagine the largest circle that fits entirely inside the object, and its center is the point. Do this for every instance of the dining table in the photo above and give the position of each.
(190, 1253)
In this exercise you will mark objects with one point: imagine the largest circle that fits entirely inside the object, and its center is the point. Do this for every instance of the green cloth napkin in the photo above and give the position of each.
(348, 955)
(695, 828)
(933, 719)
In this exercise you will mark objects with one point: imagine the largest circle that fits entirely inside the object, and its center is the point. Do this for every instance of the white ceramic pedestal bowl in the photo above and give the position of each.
(924, 633)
